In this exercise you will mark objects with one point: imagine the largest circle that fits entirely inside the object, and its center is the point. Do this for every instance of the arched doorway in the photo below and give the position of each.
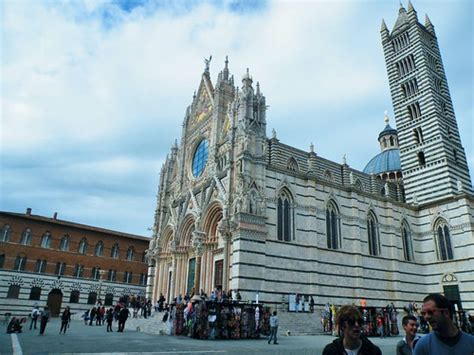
(55, 298)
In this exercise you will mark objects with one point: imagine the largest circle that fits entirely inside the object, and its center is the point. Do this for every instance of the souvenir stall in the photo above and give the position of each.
(227, 320)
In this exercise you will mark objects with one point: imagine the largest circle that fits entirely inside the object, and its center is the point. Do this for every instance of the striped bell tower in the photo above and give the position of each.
(432, 157)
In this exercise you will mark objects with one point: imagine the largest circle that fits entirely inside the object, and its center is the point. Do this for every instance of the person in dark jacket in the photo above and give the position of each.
(351, 340)
(122, 318)
(65, 319)
(109, 317)
(44, 320)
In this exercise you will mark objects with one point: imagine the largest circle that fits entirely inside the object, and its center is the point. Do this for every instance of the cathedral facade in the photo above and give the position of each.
(238, 209)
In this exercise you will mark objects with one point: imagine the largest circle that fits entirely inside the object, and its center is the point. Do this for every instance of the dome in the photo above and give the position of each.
(388, 160)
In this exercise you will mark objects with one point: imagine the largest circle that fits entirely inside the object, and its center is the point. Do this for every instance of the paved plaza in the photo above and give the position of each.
(82, 339)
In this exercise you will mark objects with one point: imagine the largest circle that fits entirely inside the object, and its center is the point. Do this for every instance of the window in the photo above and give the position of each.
(79, 270)
(115, 251)
(26, 237)
(95, 273)
(74, 298)
(35, 293)
(284, 216)
(112, 276)
(200, 158)
(92, 298)
(20, 263)
(445, 250)
(372, 235)
(99, 249)
(414, 110)
(46, 240)
(82, 246)
(407, 243)
(2, 260)
(418, 135)
(40, 266)
(332, 226)
(109, 299)
(292, 165)
(60, 268)
(127, 277)
(421, 158)
(13, 291)
(5, 233)
(130, 254)
(143, 278)
(64, 245)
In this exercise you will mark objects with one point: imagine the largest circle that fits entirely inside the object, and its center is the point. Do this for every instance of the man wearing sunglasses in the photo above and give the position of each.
(351, 342)
(445, 338)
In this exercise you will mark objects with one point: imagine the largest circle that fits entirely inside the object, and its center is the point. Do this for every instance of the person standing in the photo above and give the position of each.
(109, 317)
(44, 320)
(122, 318)
(35, 313)
(273, 328)
(351, 340)
(405, 346)
(65, 319)
(445, 338)
(311, 304)
(380, 326)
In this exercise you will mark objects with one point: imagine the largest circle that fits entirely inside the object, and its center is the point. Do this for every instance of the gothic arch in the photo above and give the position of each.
(284, 185)
(327, 175)
(184, 235)
(211, 217)
(292, 164)
(167, 237)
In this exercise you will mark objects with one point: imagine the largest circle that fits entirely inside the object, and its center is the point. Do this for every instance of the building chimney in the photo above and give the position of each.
(55, 216)
(28, 211)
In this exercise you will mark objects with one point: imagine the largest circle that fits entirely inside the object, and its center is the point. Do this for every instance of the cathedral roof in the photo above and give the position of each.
(388, 160)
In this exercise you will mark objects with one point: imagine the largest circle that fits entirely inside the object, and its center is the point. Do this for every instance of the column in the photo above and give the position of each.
(150, 282)
(225, 230)
(173, 277)
(198, 238)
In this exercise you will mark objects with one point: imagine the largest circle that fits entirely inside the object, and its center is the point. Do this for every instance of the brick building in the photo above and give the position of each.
(60, 263)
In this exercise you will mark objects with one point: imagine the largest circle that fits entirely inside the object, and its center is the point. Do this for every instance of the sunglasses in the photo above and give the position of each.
(352, 321)
(431, 312)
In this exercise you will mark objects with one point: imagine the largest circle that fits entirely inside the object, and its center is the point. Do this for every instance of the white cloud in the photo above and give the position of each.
(110, 97)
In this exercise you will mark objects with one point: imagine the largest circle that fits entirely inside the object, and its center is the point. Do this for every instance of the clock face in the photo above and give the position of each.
(200, 158)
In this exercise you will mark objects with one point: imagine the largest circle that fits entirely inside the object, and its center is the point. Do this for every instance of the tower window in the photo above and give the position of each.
(421, 158)
(414, 111)
(284, 216)
(445, 250)
(372, 235)
(332, 226)
(83, 246)
(26, 237)
(46, 240)
(407, 243)
(418, 135)
(64, 245)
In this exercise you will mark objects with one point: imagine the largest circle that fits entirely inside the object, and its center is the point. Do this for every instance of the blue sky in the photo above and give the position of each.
(93, 93)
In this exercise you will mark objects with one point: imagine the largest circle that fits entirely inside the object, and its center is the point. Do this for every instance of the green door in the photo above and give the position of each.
(191, 275)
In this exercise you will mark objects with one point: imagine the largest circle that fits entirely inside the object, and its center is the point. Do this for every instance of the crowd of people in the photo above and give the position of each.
(222, 315)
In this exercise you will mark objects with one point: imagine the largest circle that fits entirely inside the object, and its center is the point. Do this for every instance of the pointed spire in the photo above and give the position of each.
(247, 79)
(402, 9)
(386, 119)
(428, 25)
(383, 27)
(311, 147)
(410, 7)
(226, 68)
(258, 88)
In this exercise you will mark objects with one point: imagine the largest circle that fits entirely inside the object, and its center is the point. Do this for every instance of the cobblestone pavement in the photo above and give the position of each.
(82, 339)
